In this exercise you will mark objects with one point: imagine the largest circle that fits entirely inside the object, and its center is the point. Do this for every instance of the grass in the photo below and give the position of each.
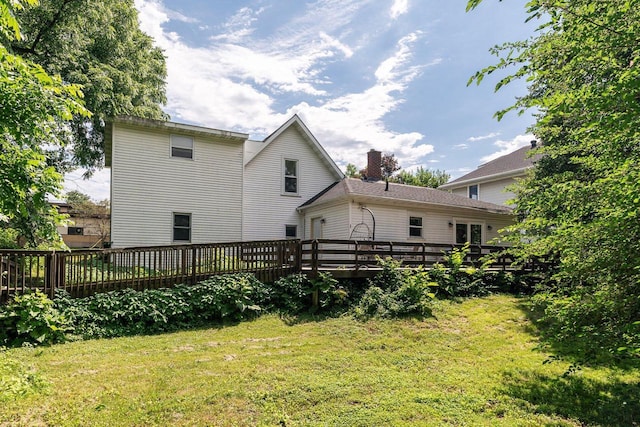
(476, 363)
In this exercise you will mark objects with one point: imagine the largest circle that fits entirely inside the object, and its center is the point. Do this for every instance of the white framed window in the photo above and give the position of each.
(291, 231)
(181, 227)
(182, 146)
(415, 226)
(474, 192)
(468, 231)
(290, 172)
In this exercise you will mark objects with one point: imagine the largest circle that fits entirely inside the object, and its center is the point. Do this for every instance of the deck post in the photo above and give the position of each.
(314, 258)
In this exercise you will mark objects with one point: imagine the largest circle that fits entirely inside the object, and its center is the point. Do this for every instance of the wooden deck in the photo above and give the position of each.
(84, 272)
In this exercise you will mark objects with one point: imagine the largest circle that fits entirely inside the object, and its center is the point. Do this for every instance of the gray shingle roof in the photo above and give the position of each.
(512, 162)
(400, 192)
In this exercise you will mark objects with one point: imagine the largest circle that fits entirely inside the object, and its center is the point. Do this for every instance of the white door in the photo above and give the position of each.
(316, 228)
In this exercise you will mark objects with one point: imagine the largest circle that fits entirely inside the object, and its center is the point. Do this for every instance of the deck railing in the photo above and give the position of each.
(85, 272)
(352, 255)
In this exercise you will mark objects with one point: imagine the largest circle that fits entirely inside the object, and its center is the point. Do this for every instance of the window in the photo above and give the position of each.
(181, 227)
(291, 231)
(466, 232)
(473, 192)
(291, 176)
(415, 226)
(75, 231)
(182, 146)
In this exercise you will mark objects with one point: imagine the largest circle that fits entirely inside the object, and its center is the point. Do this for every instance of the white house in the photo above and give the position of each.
(359, 209)
(489, 181)
(175, 183)
(280, 173)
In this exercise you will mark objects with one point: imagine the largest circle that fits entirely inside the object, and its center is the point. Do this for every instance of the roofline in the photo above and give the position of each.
(295, 119)
(395, 201)
(182, 127)
(487, 178)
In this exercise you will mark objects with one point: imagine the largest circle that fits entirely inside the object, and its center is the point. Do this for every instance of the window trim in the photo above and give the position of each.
(420, 227)
(295, 229)
(477, 186)
(174, 137)
(174, 227)
(469, 223)
(285, 176)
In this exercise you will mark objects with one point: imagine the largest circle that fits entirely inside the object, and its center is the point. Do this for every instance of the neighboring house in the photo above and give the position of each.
(489, 181)
(174, 183)
(358, 209)
(86, 230)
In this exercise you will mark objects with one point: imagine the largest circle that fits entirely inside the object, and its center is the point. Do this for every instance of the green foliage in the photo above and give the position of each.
(31, 319)
(17, 380)
(35, 106)
(8, 238)
(352, 171)
(422, 177)
(579, 207)
(96, 44)
(294, 294)
(129, 312)
(396, 292)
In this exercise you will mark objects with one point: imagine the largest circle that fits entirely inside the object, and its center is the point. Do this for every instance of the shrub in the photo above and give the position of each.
(31, 318)
(294, 294)
(395, 292)
(129, 312)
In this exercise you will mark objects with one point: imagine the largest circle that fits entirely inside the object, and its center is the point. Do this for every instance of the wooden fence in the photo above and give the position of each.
(85, 272)
(352, 258)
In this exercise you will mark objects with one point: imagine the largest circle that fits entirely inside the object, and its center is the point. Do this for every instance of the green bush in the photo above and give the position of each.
(31, 318)
(396, 292)
(129, 312)
(294, 294)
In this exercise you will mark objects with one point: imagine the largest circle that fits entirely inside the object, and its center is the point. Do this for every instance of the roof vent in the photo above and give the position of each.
(534, 143)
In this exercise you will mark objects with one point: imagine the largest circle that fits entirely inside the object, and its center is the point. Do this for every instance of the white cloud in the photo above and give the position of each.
(233, 83)
(507, 147)
(399, 7)
(483, 137)
(461, 146)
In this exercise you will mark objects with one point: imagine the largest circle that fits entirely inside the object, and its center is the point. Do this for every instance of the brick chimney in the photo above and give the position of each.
(374, 165)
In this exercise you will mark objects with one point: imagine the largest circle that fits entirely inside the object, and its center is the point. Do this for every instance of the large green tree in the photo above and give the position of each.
(34, 110)
(580, 207)
(98, 45)
(422, 177)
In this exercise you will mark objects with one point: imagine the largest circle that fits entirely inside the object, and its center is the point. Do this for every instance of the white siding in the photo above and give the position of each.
(392, 222)
(336, 221)
(266, 209)
(492, 192)
(149, 185)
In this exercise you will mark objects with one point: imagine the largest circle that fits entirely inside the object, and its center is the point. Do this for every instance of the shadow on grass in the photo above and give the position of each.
(588, 350)
(612, 402)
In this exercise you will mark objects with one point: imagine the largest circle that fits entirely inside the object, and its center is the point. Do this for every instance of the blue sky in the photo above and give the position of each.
(384, 74)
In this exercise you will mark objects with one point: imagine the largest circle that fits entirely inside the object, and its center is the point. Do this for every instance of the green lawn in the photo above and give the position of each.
(476, 363)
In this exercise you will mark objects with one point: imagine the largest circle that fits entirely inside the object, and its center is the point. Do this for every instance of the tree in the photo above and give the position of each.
(422, 177)
(580, 207)
(35, 107)
(352, 171)
(96, 44)
(389, 165)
